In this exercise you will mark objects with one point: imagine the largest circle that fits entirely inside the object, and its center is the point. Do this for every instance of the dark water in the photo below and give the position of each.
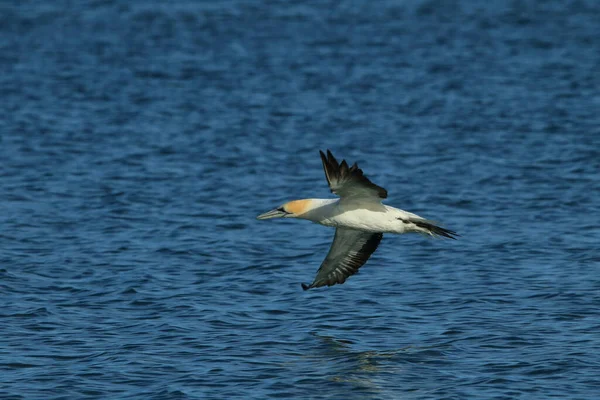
(139, 140)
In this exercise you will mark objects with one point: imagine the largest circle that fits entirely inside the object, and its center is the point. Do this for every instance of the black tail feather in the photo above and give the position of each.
(434, 229)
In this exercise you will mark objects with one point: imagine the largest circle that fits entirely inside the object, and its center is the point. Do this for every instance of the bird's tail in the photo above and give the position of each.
(430, 228)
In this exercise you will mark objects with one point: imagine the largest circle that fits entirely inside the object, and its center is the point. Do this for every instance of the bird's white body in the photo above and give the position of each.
(361, 214)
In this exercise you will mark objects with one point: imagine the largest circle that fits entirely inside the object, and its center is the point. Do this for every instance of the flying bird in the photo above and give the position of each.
(360, 219)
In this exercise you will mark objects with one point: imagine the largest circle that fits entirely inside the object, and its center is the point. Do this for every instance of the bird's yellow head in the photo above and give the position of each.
(291, 209)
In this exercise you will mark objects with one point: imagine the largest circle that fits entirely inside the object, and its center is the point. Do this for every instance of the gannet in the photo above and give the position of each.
(360, 219)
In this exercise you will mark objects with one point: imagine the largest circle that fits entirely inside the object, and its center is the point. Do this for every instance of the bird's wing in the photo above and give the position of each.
(348, 181)
(349, 251)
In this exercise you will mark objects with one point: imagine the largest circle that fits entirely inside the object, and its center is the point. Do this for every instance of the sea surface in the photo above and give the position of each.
(139, 139)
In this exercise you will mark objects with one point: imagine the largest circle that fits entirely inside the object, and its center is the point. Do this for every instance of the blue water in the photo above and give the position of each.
(139, 140)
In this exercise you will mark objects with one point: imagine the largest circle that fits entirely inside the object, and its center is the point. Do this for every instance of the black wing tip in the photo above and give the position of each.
(335, 169)
(328, 156)
(313, 285)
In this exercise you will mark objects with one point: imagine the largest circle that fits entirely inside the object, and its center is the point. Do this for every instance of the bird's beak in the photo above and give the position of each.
(272, 214)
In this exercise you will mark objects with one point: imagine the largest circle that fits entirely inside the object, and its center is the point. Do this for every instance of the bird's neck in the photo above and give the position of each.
(317, 208)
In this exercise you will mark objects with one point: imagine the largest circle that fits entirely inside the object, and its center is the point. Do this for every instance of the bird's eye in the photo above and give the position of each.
(281, 209)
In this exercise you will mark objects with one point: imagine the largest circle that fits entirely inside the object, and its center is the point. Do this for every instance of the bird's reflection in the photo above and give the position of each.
(363, 369)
